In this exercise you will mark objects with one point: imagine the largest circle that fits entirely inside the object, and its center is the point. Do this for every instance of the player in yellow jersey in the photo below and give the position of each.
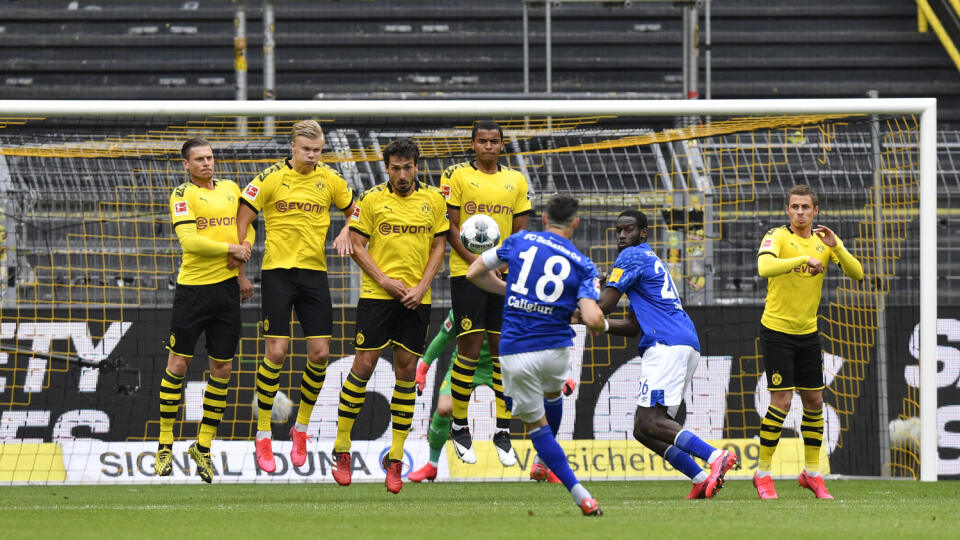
(207, 299)
(481, 186)
(794, 258)
(295, 196)
(399, 234)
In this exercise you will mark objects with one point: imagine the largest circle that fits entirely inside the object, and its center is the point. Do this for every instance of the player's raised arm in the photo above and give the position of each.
(592, 315)
(771, 264)
(848, 263)
(481, 272)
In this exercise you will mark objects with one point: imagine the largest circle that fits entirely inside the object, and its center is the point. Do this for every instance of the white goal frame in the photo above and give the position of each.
(925, 108)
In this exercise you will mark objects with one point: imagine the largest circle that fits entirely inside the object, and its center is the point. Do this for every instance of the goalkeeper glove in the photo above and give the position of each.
(569, 387)
(421, 380)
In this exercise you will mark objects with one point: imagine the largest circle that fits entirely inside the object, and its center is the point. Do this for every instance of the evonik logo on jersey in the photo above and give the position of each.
(387, 229)
(294, 206)
(470, 207)
(203, 223)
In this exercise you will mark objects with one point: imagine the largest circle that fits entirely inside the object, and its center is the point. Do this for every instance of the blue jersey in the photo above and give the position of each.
(546, 276)
(644, 278)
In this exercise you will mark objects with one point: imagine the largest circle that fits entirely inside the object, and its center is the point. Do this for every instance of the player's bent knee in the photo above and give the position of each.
(276, 349)
(318, 350)
(364, 362)
(645, 423)
(781, 399)
(177, 364)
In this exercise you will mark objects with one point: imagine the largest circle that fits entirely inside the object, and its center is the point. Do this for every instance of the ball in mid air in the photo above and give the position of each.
(479, 233)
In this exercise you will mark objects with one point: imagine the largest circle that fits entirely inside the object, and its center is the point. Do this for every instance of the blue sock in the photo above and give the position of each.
(682, 462)
(693, 445)
(552, 454)
(554, 409)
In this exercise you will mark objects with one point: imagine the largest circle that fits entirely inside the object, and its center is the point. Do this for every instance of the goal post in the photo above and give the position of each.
(923, 108)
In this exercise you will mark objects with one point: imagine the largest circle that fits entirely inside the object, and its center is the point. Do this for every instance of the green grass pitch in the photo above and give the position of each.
(863, 508)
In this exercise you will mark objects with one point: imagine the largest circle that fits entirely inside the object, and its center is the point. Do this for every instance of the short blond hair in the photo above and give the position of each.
(306, 128)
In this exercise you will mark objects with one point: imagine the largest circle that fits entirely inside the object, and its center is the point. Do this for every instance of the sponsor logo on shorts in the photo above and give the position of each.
(388, 228)
(295, 206)
(251, 192)
(180, 208)
(471, 207)
(173, 340)
(776, 379)
(203, 223)
(266, 325)
(466, 323)
(360, 338)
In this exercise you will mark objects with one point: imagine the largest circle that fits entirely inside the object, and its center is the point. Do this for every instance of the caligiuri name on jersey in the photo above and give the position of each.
(525, 305)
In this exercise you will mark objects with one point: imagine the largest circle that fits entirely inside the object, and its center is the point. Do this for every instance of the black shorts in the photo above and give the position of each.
(382, 322)
(306, 292)
(213, 310)
(474, 309)
(791, 361)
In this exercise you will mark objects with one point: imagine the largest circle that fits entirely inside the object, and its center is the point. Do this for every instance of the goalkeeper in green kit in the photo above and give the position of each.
(440, 423)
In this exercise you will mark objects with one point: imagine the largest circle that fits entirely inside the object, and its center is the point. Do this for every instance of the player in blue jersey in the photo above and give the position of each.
(548, 279)
(669, 350)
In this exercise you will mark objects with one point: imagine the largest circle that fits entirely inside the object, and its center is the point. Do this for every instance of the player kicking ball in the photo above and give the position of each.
(670, 351)
(547, 279)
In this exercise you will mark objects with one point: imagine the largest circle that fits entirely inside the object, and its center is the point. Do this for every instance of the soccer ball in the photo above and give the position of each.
(479, 233)
(282, 406)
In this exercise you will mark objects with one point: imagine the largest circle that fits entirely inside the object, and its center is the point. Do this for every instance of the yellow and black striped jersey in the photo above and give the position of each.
(793, 298)
(502, 196)
(296, 212)
(210, 216)
(400, 231)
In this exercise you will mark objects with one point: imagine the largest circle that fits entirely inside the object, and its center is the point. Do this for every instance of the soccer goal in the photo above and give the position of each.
(88, 265)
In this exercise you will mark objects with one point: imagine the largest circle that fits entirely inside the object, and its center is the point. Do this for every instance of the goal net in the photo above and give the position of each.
(89, 262)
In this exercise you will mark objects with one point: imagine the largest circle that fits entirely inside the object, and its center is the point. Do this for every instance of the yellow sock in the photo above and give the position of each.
(770, 430)
(214, 404)
(171, 391)
(352, 395)
(268, 382)
(811, 428)
(461, 384)
(503, 414)
(401, 411)
(310, 386)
